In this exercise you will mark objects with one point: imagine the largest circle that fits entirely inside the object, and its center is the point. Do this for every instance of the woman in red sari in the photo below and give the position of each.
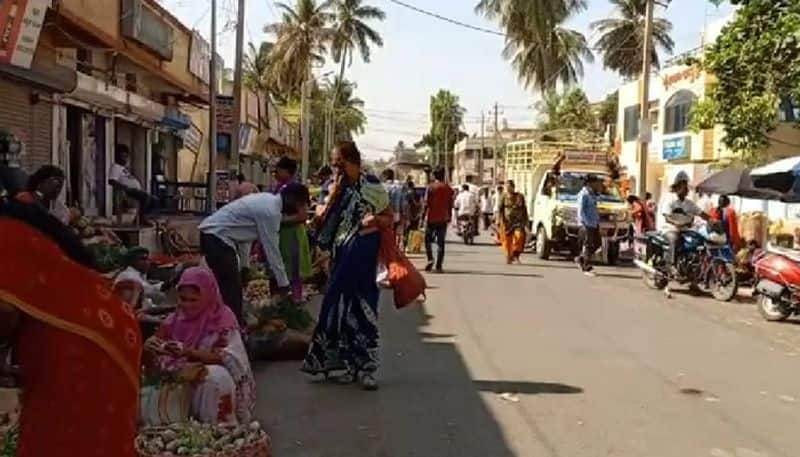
(78, 346)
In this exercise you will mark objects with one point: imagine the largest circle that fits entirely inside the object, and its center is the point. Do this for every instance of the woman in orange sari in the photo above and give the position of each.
(513, 223)
(77, 345)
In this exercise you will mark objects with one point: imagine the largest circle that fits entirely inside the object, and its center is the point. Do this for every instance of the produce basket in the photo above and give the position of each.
(203, 440)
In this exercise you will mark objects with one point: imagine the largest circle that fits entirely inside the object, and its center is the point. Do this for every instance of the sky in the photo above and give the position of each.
(422, 54)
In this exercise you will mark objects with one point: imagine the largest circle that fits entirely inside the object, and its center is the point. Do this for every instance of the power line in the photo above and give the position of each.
(447, 19)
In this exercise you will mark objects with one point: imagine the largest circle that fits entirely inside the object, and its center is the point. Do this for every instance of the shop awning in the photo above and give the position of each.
(47, 75)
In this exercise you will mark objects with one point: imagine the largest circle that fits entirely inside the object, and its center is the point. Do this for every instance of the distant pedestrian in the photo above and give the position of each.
(513, 223)
(589, 220)
(397, 202)
(487, 208)
(325, 178)
(650, 204)
(642, 217)
(726, 215)
(497, 198)
(437, 213)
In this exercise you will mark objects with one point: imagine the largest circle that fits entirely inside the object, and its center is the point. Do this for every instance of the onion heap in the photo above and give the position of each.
(194, 439)
(257, 294)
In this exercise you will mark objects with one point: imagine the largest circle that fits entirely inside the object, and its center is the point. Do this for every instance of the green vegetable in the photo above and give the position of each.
(295, 315)
(9, 441)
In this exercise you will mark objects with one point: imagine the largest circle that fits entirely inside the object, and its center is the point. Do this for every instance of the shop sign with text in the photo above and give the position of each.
(20, 26)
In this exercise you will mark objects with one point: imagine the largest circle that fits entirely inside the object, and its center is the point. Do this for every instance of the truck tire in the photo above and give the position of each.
(543, 246)
(613, 253)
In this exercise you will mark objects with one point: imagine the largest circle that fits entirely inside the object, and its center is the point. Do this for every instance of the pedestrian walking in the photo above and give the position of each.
(397, 202)
(497, 198)
(487, 208)
(255, 217)
(414, 218)
(345, 342)
(437, 213)
(467, 207)
(513, 223)
(726, 215)
(589, 220)
(642, 217)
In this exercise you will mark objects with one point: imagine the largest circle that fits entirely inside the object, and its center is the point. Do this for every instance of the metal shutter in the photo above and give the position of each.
(32, 123)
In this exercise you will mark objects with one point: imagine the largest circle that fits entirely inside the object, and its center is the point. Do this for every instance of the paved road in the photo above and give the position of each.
(537, 360)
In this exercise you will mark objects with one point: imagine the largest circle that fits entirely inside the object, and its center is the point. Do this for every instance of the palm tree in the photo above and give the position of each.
(302, 36)
(540, 48)
(622, 38)
(258, 76)
(352, 31)
(349, 115)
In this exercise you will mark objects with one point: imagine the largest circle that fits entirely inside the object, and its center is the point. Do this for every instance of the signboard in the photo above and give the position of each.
(20, 25)
(225, 115)
(192, 137)
(676, 148)
(690, 74)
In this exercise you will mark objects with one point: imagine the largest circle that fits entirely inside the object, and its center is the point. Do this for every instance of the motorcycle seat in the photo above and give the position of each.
(791, 254)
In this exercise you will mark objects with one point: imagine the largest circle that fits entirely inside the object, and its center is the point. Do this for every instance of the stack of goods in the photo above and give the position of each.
(753, 226)
(9, 433)
(203, 440)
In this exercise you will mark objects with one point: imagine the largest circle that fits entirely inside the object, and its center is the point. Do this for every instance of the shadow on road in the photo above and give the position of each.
(489, 273)
(428, 404)
(526, 387)
(619, 276)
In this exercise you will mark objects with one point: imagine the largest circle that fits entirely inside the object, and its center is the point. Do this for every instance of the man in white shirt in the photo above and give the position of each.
(254, 217)
(137, 262)
(122, 180)
(676, 202)
(466, 206)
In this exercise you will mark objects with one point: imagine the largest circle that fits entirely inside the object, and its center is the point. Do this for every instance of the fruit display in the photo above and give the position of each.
(194, 439)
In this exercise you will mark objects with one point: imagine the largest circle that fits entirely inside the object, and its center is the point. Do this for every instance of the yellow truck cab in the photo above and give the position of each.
(552, 197)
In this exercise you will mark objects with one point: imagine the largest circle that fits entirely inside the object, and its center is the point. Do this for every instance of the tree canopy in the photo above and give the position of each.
(447, 117)
(756, 61)
(568, 110)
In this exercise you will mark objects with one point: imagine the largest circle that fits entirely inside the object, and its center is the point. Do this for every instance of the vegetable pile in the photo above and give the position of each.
(199, 440)
(9, 434)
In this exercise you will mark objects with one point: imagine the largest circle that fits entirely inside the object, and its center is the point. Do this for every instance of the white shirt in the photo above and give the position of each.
(486, 204)
(497, 198)
(150, 290)
(466, 203)
(669, 204)
(122, 175)
(250, 218)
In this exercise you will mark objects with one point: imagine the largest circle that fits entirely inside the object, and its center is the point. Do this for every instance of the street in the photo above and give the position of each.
(538, 360)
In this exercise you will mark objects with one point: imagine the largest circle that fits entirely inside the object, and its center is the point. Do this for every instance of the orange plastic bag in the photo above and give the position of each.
(406, 281)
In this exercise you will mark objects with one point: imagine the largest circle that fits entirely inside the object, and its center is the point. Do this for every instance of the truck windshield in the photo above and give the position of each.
(570, 183)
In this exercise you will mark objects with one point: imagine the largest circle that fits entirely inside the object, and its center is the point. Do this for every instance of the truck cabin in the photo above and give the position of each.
(566, 185)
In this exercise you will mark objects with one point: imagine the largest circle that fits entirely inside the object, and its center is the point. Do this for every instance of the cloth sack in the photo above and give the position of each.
(406, 281)
(416, 239)
(164, 404)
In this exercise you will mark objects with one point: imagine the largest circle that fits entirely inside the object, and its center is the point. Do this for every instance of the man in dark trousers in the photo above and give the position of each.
(589, 220)
(254, 217)
(438, 212)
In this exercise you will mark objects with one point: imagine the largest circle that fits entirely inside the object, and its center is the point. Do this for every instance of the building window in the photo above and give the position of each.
(677, 113)
(631, 123)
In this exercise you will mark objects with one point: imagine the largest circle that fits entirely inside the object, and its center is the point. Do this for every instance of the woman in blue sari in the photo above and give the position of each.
(345, 343)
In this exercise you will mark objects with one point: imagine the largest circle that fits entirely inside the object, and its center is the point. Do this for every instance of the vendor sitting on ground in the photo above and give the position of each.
(43, 189)
(203, 337)
(137, 265)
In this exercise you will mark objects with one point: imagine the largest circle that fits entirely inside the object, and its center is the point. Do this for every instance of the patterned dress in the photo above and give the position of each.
(346, 337)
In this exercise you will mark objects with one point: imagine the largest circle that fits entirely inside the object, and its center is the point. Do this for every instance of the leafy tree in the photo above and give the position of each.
(609, 109)
(540, 48)
(622, 38)
(575, 112)
(351, 31)
(447, 117)
(548, 110)
(302, 36)
(756, 61)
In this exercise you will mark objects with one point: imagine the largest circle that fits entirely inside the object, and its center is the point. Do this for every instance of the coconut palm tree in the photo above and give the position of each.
(622, 38)
(540, 48)
(258, 76)
(301, 41)
(351, 31)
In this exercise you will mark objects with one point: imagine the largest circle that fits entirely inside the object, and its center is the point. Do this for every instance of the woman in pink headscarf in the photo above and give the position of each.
(203, 337)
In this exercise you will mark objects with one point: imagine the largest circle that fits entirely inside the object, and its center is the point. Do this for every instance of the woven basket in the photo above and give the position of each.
(259, 448)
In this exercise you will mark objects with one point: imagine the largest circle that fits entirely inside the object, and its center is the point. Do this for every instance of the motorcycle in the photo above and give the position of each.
(467, 229)
(777, 287)
(705, 261)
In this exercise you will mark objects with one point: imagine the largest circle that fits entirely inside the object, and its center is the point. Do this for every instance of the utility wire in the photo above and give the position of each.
(447, 19)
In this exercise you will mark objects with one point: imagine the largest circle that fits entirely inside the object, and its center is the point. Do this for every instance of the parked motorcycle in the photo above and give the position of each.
(704, 260)
(777, 284)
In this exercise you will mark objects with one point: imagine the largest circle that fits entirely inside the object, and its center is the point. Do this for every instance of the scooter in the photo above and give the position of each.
(467, 229)
(777, 287)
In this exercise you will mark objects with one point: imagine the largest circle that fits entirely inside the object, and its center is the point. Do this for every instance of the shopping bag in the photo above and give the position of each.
(406, 281)
(416, 238)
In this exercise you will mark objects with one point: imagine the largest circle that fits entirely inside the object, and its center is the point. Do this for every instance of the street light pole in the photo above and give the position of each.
(236, 139)
(644, 100)
(304, 125)
(211, 197)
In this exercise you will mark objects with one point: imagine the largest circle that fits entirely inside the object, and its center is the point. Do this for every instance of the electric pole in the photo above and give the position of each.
(236, 139)
(211, 197)
(483, 146)
(496, 154)
(304, 124)
(645, 131)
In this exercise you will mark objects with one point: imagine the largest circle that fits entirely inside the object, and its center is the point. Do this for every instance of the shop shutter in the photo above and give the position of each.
(32, 123)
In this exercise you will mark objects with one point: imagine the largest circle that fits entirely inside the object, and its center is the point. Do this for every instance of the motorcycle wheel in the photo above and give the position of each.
(723, 282)
(771, 309)
(656, 282)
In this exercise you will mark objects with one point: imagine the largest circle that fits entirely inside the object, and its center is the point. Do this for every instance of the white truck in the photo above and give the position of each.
(552, 197)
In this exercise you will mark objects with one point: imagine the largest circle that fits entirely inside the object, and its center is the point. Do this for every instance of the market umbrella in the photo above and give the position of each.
(739, 182)
(781, 176)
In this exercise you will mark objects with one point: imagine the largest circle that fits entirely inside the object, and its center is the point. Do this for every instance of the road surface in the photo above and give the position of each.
(538, 360)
